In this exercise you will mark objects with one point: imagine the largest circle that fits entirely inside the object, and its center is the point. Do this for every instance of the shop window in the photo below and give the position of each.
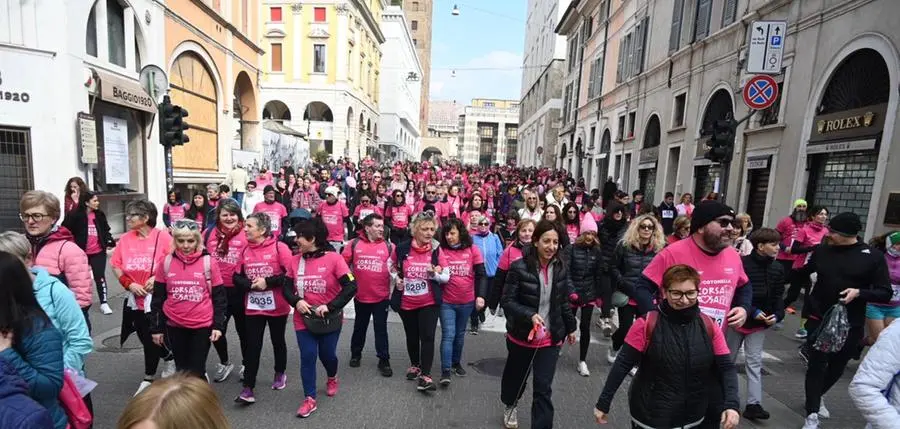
(319, 60)
(276, 57)
(319, 13)
(15, 174)
(275, 14)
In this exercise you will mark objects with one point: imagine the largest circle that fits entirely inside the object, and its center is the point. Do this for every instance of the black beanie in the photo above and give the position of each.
(268, 188)
(846, 224)
(708, 211)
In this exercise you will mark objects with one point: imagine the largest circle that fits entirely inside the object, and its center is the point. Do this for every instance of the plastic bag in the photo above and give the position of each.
(85, 385)
(832, 333)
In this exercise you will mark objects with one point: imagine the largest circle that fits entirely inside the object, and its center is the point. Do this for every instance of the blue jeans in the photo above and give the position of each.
(312, 346)
(239, 197)
(454, 318)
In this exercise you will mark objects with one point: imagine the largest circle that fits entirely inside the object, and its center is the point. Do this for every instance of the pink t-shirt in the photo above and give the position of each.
(229, 262)
(369, 263)
(275, 211)
(188, 294)
(271, 258)
(720, 275)
(175, 211)
(138, 256)
(461, 287)
(333, 215)
(810, 234)
(400, 215)
(510, 254)
(453, 206)
(637, 338)
(93, 239)
(572, 232)
(320, 281)
(417, 291)
(361, 211)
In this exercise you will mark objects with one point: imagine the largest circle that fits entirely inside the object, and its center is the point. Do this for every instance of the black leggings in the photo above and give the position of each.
(626, 319)
(420, 325)
(190, 347)
(152, 352)
(98, 267)
(236, 311)
(254, 328)
(585, 327)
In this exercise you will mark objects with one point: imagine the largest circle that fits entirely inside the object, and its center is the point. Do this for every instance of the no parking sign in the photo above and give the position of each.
(760, 92)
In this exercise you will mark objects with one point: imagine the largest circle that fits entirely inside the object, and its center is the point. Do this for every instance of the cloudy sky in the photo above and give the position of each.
(483, 45)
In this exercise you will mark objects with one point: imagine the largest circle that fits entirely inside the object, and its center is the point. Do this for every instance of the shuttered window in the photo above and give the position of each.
(675, 35)
(729, 12)
(276, 57)
(621, 62)
(640, 34)
(701, 19)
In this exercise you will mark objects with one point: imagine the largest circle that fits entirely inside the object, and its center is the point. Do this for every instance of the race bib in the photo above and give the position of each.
(668, 214)
(895, 298)
(415, 287)
(261, 301)
(716, 314)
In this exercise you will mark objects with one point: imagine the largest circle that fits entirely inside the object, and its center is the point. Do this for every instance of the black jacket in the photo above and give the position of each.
(627, 267)
(521, 298)
(767, 280)
(841, 267)
(610, 233)
(670, 388)
(585, 265)
(77, 222)
(668, 223)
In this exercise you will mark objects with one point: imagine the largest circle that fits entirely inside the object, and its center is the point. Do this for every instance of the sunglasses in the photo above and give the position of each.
(724, 222)
(186, 224)
(483, 223)
(647, 227)
(365, 201)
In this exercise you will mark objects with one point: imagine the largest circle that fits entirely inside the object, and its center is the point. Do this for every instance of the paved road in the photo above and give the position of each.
(367, 400)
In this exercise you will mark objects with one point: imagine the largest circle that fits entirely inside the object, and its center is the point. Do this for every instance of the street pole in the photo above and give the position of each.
(167, 151)
(726, 167)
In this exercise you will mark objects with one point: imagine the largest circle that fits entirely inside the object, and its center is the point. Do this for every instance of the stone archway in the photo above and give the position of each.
(277, 110)
(244, 112)
(432, 154)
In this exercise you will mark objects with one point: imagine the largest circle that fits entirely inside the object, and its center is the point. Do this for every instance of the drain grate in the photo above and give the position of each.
(490, 366)
(111, 344)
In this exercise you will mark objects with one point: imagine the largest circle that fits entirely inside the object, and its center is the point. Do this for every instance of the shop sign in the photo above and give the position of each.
(12, 94)
(650, 154)
(758, 163)
(866, 121)
(87, 137)
(848, 146)
(125, 93)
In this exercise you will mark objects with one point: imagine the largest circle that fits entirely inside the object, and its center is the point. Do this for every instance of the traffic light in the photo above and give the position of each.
(172, 124)
(721, 142)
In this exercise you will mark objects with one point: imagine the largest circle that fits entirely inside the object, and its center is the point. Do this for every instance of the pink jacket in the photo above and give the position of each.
(58, 253)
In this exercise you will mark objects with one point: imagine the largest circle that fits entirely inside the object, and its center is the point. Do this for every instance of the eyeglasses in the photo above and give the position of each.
(186, 224)
(34, 217)
(646, 227)
(677, 294)
(724, 222)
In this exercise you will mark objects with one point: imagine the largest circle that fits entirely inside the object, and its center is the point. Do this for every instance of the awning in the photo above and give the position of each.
(124, 92)
(278, 127)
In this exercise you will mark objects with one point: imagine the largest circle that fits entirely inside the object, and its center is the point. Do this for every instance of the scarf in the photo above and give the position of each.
(225, 237)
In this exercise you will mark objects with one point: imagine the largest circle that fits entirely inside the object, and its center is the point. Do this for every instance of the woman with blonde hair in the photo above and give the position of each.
(180, 401)
(643, 239)
(743, 227)
(681, 229)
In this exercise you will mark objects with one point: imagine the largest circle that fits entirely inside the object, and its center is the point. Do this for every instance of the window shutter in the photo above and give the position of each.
(621, 63)
(629, 56)
(701, 23)
(640, 36)
(599, 85)
(675, 35)
(729, 12)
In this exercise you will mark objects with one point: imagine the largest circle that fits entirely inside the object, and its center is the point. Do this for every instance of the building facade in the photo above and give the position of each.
(213, 64)
(419, 14)
(673, 68)
(442, 140)
(321, 72)
(71, 104)
(488, 133)
(401, 89)
(542, 77)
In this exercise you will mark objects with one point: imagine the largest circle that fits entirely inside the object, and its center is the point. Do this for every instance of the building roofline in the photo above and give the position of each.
(565, 22)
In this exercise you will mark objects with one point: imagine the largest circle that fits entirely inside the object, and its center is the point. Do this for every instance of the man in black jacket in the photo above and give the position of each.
(853, 274)
(767, 280)
(667, 213)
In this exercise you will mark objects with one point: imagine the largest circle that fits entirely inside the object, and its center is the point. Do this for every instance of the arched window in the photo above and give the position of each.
(118, 20)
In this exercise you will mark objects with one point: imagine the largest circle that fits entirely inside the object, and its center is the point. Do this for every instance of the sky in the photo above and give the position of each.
(487, 34)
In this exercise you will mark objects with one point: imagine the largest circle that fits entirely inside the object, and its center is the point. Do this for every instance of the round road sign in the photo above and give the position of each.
(760, 92)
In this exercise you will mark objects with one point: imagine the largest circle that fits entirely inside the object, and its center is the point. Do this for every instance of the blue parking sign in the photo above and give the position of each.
(776, 40)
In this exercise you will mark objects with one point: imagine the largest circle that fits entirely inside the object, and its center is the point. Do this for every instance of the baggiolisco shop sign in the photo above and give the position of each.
(12, 95)
(850, 130)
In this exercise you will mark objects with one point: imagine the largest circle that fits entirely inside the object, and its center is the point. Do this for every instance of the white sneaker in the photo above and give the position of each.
(144, 384)
(583, 369)
(611, 355)
(633, 372)
(168, 369)
(823, 412)
(606, 327)
(510, 418)
(106, 309)
(812, 422)
(222, 372)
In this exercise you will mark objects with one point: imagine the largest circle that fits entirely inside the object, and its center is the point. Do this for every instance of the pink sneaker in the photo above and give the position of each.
(280, 381)
(307, 407)
(332, 386)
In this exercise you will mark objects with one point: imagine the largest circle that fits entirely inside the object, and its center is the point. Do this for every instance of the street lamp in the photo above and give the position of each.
(455, 11)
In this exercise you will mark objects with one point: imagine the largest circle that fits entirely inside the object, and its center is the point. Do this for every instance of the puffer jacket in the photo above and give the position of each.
(62, 309)
(521, 298)
(767, 279)
(876, 375)
(38, 358)
(627, 267)
(63, 259)
(585, 265)
(610, 233)
(17, 409)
